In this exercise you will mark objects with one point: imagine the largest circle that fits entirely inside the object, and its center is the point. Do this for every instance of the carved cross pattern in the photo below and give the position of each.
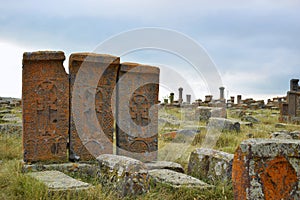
(99, 100)
(47, 108)
(139, 110)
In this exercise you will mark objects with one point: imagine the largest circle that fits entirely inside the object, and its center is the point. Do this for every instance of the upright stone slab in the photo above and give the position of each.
(101, 92)
(137, 117)
(267, 169)
(45, 97)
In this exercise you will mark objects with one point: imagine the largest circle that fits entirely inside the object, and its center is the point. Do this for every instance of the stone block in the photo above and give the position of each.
(45, 97)
(177, 180)
(224, 124)
(267, 169)
(58, 181)
(85, 145)
(210, 165)
(125, 175)
(137, 111)
(203, 113)
(11, 129)
(165, 165)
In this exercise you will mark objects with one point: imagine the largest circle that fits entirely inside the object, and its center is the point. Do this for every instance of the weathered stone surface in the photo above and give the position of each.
(210, 165)
(165, 165)
(280, 125)
(249, 124)
(167, 120)
(238, 113)
(203, 113)
(82, 169)
(176, 180)
(267, 169)
(249, 118)
(126, 175)
(286, 135)
(11, 118)
(56, 180)
(45, 96)
(93, 64)
(11, 129)
(137, 113)
(224, 124)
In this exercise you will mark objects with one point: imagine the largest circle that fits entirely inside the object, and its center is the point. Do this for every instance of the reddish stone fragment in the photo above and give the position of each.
(99, 91)
(267, 169)
(45, 97)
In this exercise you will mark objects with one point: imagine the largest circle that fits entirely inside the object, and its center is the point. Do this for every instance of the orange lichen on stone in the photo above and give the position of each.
(45, 97)
(240, 175)
(90, 64)
(279, 179)
(140, 140)
(266, 169)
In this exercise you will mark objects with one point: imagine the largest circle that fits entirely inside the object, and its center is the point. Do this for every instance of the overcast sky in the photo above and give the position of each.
(255, 44)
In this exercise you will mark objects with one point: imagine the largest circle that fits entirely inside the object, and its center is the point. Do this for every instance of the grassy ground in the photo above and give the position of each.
(16, 185)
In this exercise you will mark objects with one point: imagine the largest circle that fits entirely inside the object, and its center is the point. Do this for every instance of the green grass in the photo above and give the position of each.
(16, 185)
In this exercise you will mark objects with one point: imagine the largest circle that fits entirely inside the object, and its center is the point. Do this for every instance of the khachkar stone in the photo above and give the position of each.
(267, 169)
(45, 97)
(93, 143)
(137, 113)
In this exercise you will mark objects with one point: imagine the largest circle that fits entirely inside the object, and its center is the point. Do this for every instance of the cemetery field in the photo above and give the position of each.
(172, 147)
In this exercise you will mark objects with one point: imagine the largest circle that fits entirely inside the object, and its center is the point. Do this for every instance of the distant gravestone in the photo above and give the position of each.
(45, 95)
(93, 64)
(137, 123)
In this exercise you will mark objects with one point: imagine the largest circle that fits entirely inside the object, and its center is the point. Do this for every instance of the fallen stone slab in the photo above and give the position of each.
(249, 118)
(203, 113)
(176, 180)
(280, 125)
(223, 124)
(58, 181)
(11, 129)
(210, 165)
(11, 118)
(125, 175)
(79, 168)
(181, 136)
(248, 124)
(267, 169)
(165, 165)
(295, 135)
